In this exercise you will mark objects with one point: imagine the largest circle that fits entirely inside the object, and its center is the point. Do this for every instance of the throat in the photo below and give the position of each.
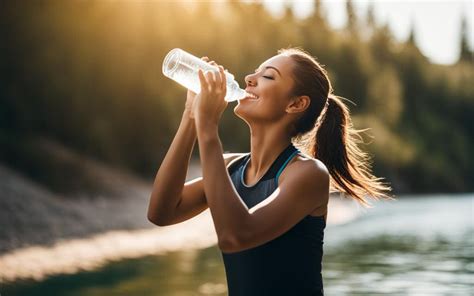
(253, 178)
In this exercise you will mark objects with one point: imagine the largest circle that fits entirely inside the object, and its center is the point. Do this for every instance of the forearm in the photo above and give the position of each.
(229, 213)
(171, 176)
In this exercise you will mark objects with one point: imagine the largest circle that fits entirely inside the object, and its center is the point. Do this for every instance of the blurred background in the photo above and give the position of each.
(86, 117)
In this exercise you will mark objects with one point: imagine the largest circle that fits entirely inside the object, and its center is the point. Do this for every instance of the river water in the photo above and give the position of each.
(416, 245)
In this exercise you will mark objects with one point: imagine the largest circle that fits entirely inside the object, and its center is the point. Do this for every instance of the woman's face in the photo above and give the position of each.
(272, 83)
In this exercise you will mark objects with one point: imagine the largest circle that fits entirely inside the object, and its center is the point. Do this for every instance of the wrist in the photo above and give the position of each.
(187, 111)
(207, 132)
(205, 123)
(187, 116)
(188, 125)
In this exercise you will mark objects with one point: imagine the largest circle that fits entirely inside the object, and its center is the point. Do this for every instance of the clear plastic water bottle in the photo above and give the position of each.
(182, 67)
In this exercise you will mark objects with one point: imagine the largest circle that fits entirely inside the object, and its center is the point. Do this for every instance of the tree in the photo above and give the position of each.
(381, 44)
(370, 23)
(465, 52)
(288, 15)
(370, 19)
(352, 22)
(385, 96)
(412, 37)
(318, 13)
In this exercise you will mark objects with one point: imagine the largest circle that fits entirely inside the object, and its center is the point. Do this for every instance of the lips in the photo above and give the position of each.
(251, 95)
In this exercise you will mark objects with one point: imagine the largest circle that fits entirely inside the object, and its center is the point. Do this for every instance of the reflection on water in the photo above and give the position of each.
(89, 253)
(185, 273)
(416, 246)
(401, 265)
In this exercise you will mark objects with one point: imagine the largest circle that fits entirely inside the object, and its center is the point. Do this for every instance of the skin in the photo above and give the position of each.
(303, 186)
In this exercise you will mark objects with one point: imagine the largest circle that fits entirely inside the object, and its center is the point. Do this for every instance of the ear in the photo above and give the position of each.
(298, 104)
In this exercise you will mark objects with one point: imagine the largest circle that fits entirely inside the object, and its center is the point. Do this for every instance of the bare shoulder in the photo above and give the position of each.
(304, 166)
(307, 177)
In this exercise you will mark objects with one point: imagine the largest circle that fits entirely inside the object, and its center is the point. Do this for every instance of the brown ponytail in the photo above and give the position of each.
(326, 133)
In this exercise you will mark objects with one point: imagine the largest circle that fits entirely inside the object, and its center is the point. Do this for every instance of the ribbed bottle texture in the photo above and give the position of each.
(182, 67)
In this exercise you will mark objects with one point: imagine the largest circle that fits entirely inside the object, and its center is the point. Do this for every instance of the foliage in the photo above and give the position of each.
(88, 74)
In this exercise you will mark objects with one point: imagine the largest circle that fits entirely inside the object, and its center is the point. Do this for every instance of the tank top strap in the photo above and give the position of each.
(275, 170)
(277, 164)
(234, 163)
(283, 166)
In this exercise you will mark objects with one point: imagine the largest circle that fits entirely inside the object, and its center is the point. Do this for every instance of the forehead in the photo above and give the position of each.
(281, 62)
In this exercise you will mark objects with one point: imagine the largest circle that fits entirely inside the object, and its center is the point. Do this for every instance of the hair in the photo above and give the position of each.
(325, 132)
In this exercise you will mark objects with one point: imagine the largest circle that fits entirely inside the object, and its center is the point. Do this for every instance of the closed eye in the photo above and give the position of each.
(267, 77)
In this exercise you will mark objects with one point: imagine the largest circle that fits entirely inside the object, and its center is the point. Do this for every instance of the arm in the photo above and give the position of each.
(170, 178)
(305, 188)
(228, 212)
(192, 200)
(171, 200)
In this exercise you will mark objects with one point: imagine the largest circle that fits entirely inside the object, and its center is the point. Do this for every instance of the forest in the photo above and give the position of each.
(87, 74)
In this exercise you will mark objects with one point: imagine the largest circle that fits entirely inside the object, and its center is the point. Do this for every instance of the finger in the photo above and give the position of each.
(218, 80)
(213, 63)
(223, 78)
(202, 80)
(211, 79)
(216, 73)
(205, 59)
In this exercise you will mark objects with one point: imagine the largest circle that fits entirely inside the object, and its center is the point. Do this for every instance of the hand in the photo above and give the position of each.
(209, 104)
(188, 108)
(191, 96)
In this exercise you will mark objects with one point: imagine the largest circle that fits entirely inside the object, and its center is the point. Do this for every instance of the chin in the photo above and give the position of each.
(240, 112)
(237, 110)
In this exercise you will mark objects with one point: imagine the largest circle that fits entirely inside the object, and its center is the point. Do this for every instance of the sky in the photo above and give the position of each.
(437, 23)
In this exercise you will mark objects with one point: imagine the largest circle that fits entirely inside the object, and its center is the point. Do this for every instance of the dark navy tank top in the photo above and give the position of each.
(287, 265)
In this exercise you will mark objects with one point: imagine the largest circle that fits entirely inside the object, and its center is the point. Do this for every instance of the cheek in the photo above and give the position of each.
(270, 107)
(274, 108)
(264, 110)
(275, 92)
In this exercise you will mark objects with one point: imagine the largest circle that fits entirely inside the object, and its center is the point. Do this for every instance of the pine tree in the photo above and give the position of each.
(288, 15)
(465, 52)
(412, 37)
(318, 12)
(371, 24)
(352, 23)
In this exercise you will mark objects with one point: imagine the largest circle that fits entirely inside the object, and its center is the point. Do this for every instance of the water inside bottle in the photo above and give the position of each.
(184, 71)
(187, 77)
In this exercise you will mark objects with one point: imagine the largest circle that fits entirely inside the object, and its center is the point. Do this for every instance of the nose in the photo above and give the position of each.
(249, 80)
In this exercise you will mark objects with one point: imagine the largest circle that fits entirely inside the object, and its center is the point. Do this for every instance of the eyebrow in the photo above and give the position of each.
(271, 67)
(274, 69)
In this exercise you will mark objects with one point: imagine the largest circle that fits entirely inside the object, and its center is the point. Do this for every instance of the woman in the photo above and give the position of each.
(269, 206)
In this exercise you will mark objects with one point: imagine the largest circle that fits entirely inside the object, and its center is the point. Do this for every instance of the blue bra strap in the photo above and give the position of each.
(284, 165)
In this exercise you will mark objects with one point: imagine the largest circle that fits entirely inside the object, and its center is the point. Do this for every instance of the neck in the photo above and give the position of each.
(266, 143)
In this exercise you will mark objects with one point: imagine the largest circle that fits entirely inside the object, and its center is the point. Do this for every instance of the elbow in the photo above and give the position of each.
(156, 219)
(152, 219)
(151, 216)
(229, 243)
(236, 239)
(157, 222)
(155, 214)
